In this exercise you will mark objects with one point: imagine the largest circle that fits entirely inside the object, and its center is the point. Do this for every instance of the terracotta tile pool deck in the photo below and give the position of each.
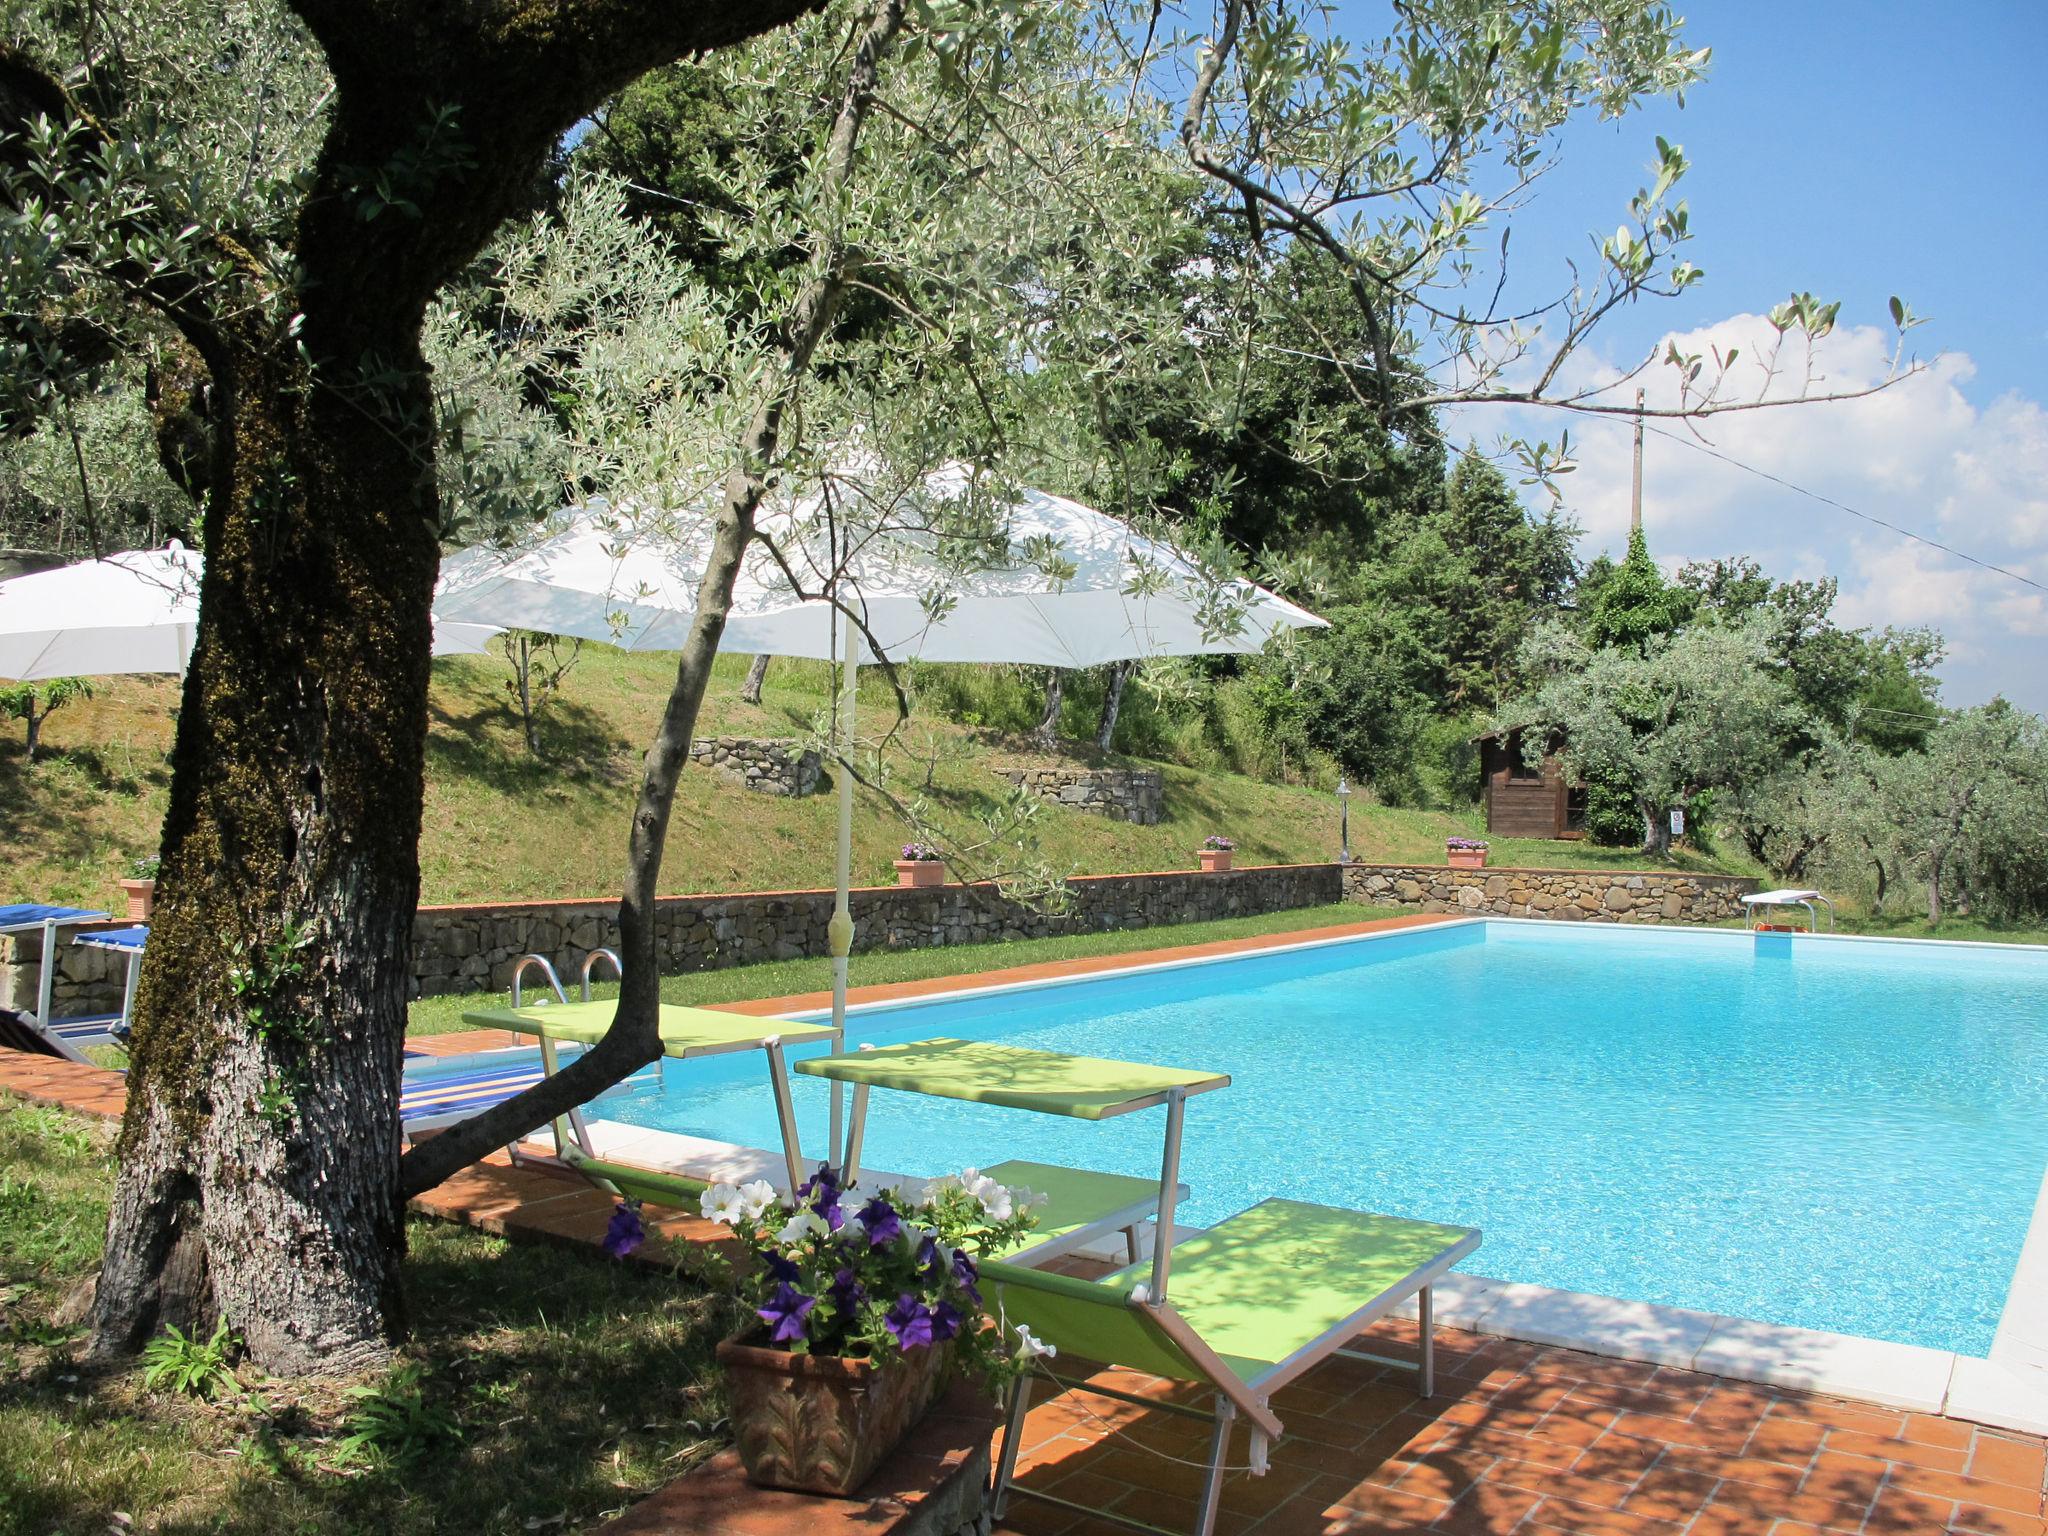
(1520, 1438)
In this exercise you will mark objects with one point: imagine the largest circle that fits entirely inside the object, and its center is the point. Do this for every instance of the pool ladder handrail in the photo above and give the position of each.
(591, 959)
(546, 969)
(576, 1127)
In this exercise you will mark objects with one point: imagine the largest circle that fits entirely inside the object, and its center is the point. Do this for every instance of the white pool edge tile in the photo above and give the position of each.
(2010, 1394)
(1988, 1392)
(2022, 1336)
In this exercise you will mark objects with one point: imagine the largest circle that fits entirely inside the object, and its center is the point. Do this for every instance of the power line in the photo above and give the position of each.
(1842, 506)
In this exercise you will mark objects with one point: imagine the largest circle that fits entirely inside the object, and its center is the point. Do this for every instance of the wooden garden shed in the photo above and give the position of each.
(1526, 801)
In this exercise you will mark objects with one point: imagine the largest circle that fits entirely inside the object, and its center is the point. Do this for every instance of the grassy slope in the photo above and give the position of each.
(503, 825)
(578, 1385)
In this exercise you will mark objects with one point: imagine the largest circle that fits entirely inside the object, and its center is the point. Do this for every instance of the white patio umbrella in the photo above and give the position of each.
(1077, 588)
(628, 577)
(137, 611)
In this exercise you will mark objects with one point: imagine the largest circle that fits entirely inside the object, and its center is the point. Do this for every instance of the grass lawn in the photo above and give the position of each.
(782, 978)
(554, 1387)
(1893, 925)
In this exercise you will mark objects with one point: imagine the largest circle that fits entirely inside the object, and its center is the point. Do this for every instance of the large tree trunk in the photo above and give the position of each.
(259, 1155)
(1934, 873)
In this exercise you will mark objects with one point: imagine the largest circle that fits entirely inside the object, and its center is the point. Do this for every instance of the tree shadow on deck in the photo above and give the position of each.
(1518, 1437)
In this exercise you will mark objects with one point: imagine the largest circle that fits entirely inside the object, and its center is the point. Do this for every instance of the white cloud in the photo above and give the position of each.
(1920, 454)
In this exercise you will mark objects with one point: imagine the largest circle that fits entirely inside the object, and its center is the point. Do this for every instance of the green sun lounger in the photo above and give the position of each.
(686, 1034)
(1258, 1299)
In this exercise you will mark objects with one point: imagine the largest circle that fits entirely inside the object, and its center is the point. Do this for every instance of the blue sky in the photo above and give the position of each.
(1856, 150)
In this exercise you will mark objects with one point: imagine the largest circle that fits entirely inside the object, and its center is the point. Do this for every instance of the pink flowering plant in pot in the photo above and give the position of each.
(862, 1302)
(1465, 852)
(921, 864)
(1216, 851)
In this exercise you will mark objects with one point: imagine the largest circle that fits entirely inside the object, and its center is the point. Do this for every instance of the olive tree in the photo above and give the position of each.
(284, 189)
(1700, 710)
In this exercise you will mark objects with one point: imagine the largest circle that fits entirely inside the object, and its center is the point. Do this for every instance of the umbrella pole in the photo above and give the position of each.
(840, 930)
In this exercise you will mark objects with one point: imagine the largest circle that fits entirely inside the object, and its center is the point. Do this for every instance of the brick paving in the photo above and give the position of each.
(1538, 1441)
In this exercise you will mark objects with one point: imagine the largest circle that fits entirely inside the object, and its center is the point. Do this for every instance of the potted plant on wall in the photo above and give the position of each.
(860, 1303)
(1465, 852)
(141, 889)
(920, 865)
(1216, 853)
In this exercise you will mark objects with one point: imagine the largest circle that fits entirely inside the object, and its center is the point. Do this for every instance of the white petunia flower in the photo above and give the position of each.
(756, 1196)
(997, 1203)
(805, 1223)
(721, 1203)
(1031, 1347)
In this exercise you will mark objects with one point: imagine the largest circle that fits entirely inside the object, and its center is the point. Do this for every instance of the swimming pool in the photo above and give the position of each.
(1842, 1135)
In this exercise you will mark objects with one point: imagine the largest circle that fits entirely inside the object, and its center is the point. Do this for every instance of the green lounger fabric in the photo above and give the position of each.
(684, 1031)
(1092, 1319)
(1268, 1281)
(671, 1189)
(985, 1073)
(1074, 1198)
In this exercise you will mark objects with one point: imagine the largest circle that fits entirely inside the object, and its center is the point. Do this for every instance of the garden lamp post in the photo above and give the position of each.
(1344, 819)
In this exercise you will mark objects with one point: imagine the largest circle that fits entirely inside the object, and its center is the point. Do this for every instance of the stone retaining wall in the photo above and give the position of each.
(771, 767)
(1574, 895)
(474, 948)
(1121, 794)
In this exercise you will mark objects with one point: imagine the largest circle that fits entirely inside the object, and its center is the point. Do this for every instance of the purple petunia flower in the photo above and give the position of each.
(946, 1321)
(846, 1293)
(786, 1312)
(781, 1268)
(909, 1322)
(966, 1272)
(882, 1223)
(928, 1256)
(822, 1189)
(625, 1233)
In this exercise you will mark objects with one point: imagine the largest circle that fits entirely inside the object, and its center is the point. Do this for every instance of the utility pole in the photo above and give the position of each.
(1635, 500)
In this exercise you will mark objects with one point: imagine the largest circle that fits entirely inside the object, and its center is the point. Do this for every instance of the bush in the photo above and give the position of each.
(1006, 699)
(1446, 763)
(1612, 819)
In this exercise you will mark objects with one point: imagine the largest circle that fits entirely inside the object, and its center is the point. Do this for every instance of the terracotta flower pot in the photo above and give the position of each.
(821, 1423)
(1215, 860)
(1466, 858)
(920, 872)
(141, 899)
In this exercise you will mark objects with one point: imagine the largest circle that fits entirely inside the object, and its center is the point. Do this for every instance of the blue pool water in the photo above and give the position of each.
(1846, 1136)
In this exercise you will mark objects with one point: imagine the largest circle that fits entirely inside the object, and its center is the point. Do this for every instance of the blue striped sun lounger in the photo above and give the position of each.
(93, 1028)
(428, 1103)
